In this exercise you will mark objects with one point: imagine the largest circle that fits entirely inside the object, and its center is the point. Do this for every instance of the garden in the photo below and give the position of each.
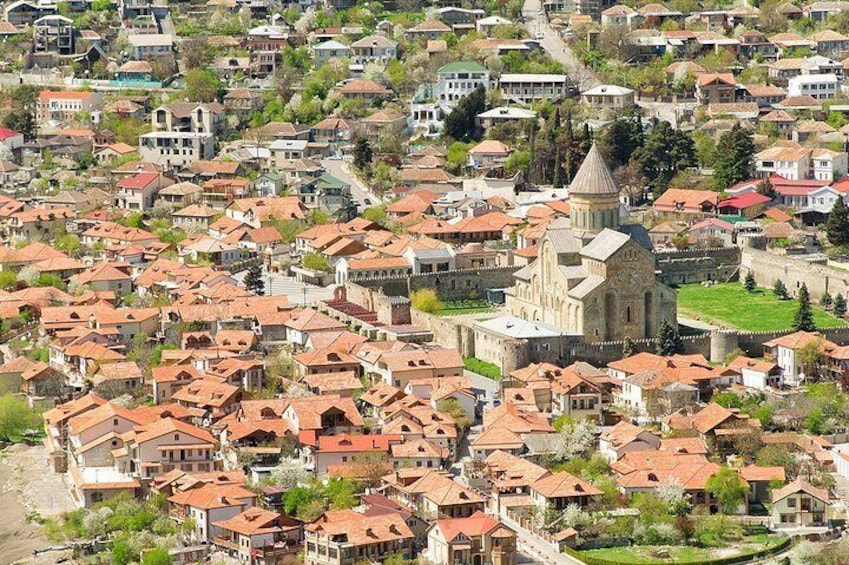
(740, 551)
(488, 370)
(730, 305)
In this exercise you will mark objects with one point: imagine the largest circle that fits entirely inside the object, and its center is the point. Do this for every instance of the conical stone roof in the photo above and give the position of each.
(593, 177)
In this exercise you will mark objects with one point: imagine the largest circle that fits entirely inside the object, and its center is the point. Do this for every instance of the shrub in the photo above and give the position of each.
(425, 300)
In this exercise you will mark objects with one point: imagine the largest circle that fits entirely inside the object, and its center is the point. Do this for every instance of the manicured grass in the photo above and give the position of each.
(729, 305)
(488, 370)
(682, 555)
(464, 307)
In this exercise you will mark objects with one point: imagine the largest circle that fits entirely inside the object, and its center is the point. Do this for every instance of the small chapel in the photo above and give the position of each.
(594, 275)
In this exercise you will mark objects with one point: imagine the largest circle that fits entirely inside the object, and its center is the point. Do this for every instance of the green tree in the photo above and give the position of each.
(766, 188)
(461, 122)
(376, 214)
(749, 282)
(157, 556)
(362, 153)
(316, 262)
(8, 279)
(621, 139)
(780, 290)
(826, 301)
(734, 162)
(123, 553)
(728, 489)
(804, 320)
(68, 243)
(202, 85)
(668, 340)
(15, 417)
(454, 409)
(839, 305)
(254, 281)
(665, 152)
(425, 300)
(837, 224)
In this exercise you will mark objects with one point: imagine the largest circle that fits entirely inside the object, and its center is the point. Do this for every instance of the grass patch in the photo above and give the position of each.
(729, 305)
(488, 370)
(682, 554)
(464, 307)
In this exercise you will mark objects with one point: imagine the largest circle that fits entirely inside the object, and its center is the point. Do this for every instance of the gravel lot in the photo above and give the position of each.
(28, 485)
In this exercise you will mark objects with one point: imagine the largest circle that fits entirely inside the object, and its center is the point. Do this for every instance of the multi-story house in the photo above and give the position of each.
(264, 46)
(478, 539)
(208, 505)
(35, 224)
(457, 80)
(529, 88)
(259, 536)
(54, 34)
(327, 51)
(374, 49)
(818, 86)
(138, 192)
(173, 150)
(56, 107)
(194, 117)
(343, 537)
(164, 445)
(25, 12)
(799, 505)
(144, 46)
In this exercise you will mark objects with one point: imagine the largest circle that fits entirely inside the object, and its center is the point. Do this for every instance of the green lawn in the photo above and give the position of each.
(464, 307)
(489, 370)
(681, 555)
(729, 305)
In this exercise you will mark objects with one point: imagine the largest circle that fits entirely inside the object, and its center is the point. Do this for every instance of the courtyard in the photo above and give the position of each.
(728, 305)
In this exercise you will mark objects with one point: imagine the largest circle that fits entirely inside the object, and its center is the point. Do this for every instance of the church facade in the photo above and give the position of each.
(594, 276)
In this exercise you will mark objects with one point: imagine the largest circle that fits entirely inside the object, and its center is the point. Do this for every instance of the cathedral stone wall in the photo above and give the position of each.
(699, 265)
(449, 285)
(769, 267)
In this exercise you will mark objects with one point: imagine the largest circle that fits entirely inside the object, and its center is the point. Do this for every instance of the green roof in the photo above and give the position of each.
(458, 66)
(732, 219)
(330, 181)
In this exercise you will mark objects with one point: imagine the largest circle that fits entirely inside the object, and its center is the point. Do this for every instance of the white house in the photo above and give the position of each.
(818, 86)
(828, 165)
(784, 352)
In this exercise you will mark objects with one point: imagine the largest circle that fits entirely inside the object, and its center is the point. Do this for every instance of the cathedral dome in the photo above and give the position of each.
(593, 178)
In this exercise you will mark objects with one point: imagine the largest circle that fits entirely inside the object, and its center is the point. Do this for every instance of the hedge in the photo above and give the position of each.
(778, 548)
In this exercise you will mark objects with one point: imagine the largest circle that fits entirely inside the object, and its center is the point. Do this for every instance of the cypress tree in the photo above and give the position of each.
(780, 290)
(826, 301)
(253, 280)
(749, 282)
(804, 320)
(839, 305)
(837, 224)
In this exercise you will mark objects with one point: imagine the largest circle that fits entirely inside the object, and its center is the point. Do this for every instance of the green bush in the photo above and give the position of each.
(750, 556)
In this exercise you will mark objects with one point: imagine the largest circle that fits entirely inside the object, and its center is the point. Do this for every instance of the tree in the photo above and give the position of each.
(826, 301)
(425, 300)
(461, 122)
(765, 188)
(673, 493)
(839, 306)
(316, 262)
(574, 440)
(668, 340)
(749, 282)
(621, 139)
(804, 320)
(201, 85)
(666, 152)
(734, 162)
(453, 408)
(728, 489)
(16, 417)
(837, 224)
(157, 556)
(371, 467)
(780, 290)
(254, 281)
(363, 153)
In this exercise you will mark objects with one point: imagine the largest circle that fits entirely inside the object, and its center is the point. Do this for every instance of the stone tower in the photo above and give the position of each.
(594, 196)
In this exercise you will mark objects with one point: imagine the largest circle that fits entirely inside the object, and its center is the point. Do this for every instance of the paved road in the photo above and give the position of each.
(342, 170)
(530, 543)
(556, 46)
